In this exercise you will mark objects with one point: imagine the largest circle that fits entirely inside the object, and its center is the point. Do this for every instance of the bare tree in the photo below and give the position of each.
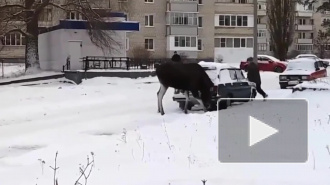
(23, 15)
(281, 21)
(321, 42)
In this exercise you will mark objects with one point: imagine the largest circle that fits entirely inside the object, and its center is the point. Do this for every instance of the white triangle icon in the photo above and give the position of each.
(259, 131)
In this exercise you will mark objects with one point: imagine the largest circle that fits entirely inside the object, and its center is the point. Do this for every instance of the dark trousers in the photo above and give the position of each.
(260, 91)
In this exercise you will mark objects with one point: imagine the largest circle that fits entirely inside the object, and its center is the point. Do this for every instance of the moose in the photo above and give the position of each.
(187, 77)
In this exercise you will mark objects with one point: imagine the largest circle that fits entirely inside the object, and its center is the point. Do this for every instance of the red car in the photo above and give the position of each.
(300, 70)
(266, 63)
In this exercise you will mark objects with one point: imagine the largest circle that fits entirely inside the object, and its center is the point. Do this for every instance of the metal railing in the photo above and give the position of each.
(124, 63)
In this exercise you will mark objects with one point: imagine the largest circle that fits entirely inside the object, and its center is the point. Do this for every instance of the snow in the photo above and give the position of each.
(321, 83)
(41, 74)
(176, 149)
(300, 66)
(12, 70)
(118, 70)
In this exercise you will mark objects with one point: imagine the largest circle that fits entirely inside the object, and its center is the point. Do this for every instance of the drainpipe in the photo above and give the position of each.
(255, 31)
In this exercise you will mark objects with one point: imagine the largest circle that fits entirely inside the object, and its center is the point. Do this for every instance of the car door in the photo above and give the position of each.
(263, 64)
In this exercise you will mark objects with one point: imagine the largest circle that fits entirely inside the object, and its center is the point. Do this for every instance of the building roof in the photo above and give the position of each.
(82, 24)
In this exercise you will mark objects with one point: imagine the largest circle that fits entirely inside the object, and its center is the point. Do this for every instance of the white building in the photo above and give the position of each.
(70, 39)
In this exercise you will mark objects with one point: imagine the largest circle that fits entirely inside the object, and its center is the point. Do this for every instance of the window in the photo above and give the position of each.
(148, 1)
(73, 15)
(45, 15)
(200, 22)
(304, 35)
(262, 47)
(200, 2)
(183, 41)
(302, 21)
(13, 39)
(258, 20)
(305, 47)
(233, 20)
(149, 44)
(200, 45)
(184, 18)
(261, 33)
(149, 20)
(236, 74)
(238, 42)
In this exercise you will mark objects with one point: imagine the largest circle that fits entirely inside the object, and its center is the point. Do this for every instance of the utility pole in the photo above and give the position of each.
(255, 31)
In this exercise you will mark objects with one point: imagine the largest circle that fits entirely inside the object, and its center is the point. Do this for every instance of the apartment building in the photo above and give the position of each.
(204, 29)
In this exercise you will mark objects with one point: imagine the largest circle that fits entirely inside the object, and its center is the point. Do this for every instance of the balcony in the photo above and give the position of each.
(235, 1)
(183, 1)
(304, 41)
(262, 26)
(262, 40)
(261, 12)
(182, 6)
(305, 13)
(305, 27)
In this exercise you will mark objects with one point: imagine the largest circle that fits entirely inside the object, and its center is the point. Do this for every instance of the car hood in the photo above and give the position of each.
(297, 72)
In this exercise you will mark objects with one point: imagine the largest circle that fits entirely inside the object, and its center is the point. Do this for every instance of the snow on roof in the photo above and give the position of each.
(305, 55)
(298, 60)
(215, 65)
(270, 57)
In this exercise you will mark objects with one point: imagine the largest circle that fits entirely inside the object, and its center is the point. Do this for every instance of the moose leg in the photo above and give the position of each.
(161, 94)
(196, 95)
(186, 93)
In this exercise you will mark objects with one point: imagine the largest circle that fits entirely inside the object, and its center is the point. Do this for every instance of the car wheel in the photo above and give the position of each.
(278, 70)
(222, 105)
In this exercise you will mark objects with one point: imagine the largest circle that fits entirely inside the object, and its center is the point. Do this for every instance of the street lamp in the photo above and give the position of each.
(255, 31)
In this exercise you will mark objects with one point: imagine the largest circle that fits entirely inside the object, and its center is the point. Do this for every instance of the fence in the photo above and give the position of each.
(124, 63)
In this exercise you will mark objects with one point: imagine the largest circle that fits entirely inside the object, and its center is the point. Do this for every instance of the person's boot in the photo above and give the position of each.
(266, 95)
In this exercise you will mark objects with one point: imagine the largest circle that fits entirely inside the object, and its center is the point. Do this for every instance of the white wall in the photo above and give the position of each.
(54, 47)
(171, 43)
(233, 55)
(50, 51)
(250, 20)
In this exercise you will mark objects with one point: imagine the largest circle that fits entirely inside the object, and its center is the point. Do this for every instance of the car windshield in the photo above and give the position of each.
(300, 66)
(236, 74)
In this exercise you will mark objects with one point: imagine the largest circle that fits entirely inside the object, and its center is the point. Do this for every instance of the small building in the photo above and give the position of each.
(70, 40)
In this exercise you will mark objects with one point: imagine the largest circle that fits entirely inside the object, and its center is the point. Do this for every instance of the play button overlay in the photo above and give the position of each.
(272, 131)
(259, 131)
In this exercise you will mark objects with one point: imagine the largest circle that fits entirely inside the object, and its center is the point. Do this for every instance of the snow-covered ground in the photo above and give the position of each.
(16, 71)
(11, 70)
(117, 120)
